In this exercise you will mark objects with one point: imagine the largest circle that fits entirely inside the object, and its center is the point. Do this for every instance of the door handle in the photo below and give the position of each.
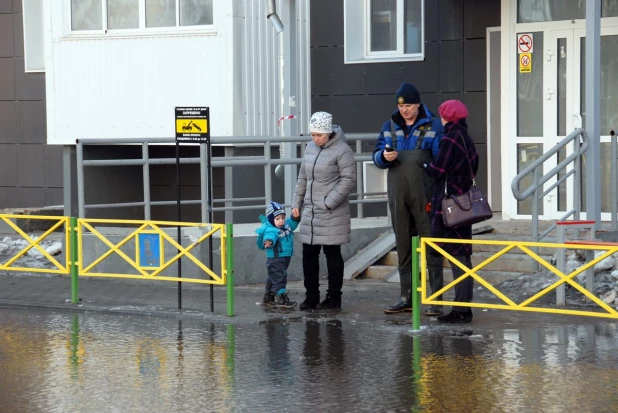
(577, 120)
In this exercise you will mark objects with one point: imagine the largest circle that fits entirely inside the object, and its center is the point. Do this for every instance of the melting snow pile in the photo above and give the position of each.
(33, 258)
(605, 279)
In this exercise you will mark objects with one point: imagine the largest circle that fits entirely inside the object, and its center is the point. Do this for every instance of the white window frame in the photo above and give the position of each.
(358, 42)
(142, 29)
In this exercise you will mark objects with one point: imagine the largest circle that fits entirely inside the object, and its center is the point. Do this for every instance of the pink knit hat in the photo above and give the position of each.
(453, 110)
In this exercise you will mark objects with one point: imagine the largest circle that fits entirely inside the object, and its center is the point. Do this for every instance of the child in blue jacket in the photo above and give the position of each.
(276, 237)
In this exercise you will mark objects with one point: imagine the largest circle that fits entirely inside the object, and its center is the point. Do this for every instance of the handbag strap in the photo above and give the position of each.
(469, 165)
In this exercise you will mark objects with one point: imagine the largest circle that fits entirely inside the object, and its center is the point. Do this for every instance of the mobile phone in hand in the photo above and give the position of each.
(389, 149)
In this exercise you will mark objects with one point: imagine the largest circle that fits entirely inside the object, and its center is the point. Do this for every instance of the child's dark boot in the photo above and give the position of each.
(282, 300)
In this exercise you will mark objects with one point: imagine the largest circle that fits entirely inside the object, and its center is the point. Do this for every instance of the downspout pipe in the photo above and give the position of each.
(273, 17)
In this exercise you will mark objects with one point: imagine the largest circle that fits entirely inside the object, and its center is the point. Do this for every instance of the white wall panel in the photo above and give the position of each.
(127, 87)
(115, 87)
(261, 66)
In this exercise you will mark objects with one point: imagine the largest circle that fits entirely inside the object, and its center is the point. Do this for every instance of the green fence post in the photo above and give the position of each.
(74, 271)
(416, 302)
(229, 256)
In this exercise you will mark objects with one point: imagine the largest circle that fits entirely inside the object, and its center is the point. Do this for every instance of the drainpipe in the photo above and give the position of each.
(273, 17)
(278, 26)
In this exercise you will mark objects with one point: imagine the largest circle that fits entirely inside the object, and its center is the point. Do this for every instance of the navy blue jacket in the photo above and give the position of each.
(406, 136)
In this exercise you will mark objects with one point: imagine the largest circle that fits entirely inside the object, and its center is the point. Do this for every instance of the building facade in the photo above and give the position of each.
(115, 70)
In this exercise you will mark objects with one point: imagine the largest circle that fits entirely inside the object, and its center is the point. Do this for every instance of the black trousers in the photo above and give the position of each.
(465, 289)
(311, 270)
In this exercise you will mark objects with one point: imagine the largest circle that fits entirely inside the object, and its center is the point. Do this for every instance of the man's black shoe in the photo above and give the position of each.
(456, 317)
(329, 303)
(309, 304)
(400, 306)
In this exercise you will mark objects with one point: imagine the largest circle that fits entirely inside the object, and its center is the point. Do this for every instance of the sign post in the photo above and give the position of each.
(192, 125)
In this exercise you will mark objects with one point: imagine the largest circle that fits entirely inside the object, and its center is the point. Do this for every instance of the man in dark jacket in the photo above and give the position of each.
(412, 134)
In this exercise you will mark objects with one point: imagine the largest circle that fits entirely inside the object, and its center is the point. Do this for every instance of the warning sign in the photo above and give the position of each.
(524, 43)
(525, 63)
(192, 125)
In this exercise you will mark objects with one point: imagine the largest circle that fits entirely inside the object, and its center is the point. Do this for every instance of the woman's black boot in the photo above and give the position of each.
(329, 303)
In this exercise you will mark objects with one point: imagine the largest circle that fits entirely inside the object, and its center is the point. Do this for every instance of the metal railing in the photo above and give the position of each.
(266, 160)
(422, 296)
(536, 189)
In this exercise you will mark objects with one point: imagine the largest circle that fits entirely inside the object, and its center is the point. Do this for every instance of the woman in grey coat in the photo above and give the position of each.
(325, 180)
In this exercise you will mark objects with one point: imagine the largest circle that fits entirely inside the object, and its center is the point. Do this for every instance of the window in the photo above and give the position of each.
(97, 15)
(34, 49)
(390, 30)
(553, 10)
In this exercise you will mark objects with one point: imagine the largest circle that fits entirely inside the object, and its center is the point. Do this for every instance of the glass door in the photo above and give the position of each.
(563, 116)
(531, 110)
(609, 103)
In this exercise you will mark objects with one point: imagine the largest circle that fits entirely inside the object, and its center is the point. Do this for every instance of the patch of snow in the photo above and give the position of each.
(609, 297)
(34, 258)
(605, 265)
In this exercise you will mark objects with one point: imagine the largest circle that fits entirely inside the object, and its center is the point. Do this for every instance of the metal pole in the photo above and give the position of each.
(268, 194)
(74, 270)
(146, 178)
(359, 181)
(178, 217)
(560, 265)
(288, 94)
(80, 181)
(229, 257)
(211, 216)
(204, 173)
(577, 186)
(416, 302)
(614, 179)
(535, 213)
(592, 115)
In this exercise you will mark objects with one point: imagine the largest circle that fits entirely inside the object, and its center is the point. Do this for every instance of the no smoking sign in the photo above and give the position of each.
(524, 43)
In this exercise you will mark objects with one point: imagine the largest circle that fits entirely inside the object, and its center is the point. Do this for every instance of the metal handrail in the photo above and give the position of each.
(265, 160)
(536, 188)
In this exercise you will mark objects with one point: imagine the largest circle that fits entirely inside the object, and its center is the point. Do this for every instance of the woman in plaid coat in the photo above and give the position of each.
(454, 168)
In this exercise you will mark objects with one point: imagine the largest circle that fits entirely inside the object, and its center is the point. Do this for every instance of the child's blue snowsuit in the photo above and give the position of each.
(278, 255)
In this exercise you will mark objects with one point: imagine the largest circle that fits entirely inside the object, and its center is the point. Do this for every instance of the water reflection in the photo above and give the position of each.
(54, 362)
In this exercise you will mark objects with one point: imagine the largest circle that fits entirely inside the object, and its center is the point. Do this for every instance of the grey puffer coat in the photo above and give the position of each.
(326, 178)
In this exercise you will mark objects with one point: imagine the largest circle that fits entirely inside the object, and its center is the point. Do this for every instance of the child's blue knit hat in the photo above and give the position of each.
(272, 210)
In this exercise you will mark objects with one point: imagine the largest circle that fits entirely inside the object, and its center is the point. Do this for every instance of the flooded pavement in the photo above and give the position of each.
(89, 362)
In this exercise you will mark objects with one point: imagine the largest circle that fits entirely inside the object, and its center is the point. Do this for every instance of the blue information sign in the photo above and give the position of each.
(149, 249)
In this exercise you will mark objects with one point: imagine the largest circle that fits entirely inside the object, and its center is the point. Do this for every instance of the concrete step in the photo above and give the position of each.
(380, 272)
(492, 277)
(510, 262)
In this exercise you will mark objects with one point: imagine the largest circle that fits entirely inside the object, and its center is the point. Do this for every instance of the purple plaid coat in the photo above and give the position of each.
(455, 164)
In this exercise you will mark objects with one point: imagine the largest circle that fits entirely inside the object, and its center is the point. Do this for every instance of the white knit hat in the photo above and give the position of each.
(321, 122)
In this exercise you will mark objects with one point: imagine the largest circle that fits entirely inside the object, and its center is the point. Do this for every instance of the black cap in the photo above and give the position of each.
(408, 93)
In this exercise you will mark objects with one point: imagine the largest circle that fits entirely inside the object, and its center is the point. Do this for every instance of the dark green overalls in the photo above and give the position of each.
(407, 198)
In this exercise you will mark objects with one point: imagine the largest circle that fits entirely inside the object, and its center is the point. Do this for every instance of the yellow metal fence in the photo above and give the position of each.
(437, 244)
(151, 235)
(14, 264)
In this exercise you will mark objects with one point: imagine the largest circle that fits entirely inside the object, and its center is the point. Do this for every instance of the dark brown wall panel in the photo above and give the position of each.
(6, 6)
(7, 43)
(362, 96)
(30, 171)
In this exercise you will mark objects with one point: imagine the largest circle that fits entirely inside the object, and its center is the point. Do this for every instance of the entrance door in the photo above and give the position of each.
(551, 104)
(565, 107)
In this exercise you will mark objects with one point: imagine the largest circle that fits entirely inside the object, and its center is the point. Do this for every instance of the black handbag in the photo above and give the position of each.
(467, 208)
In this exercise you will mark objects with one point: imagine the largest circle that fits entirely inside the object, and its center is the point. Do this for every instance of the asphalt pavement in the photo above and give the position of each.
(362, 302)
